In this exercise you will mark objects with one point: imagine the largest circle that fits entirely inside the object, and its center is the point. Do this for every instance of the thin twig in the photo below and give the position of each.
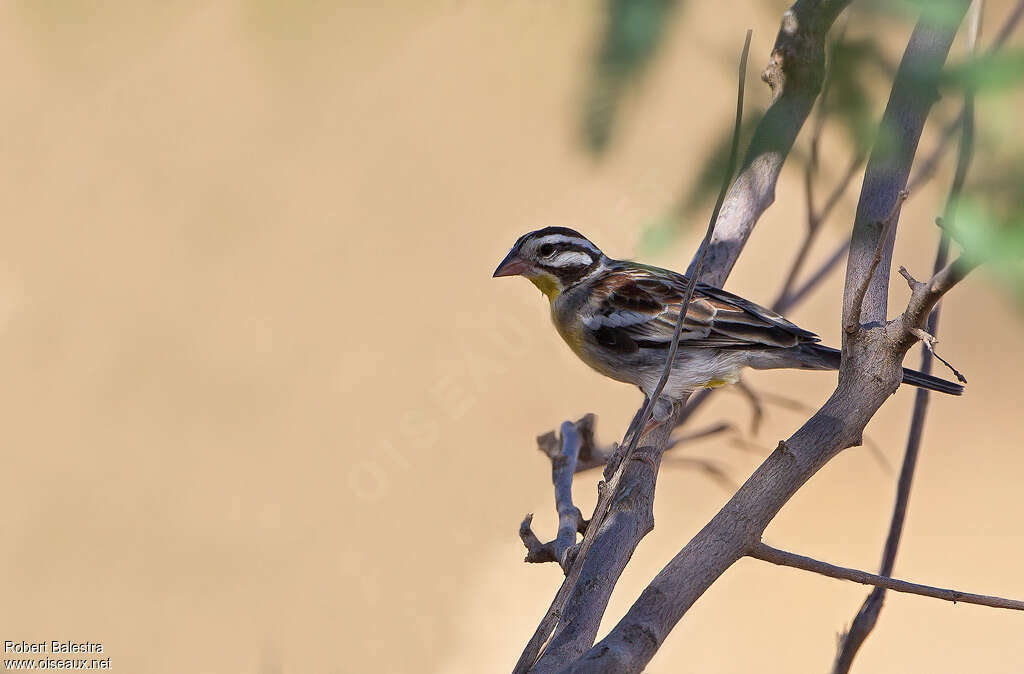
(532, 654)
(815, 217)
(710, 468)
(930, 164)
(817, 127)
(929, 341)
(786, 297)
(1008, 26)
(756, 408)
(691, 282)
(767, 553)
(784, 304)
(700, 434)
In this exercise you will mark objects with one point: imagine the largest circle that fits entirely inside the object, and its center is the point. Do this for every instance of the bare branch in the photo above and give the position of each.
(757, 409)
(570, 519)
(784, 304)
(871, 370)
(605, 550)
(767, 553)
(1010, 25)
(913, 94)
(924, 297)
(700, 434)
(795, 74)
(930, 164)
(888, 228)
(710, 468)
(702, 252)
(867, 616)
(787, 298)
(929, 341)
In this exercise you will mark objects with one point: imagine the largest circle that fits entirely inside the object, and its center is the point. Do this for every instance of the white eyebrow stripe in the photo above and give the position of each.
(575, 240)
(572, 258)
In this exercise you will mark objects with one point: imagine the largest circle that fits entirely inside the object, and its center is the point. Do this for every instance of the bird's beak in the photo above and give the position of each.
(512, 265)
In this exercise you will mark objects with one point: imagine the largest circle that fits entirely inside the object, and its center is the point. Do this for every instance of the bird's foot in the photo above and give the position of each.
(662, 412)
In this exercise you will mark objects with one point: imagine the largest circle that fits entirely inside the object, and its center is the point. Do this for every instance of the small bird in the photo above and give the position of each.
(619, 317)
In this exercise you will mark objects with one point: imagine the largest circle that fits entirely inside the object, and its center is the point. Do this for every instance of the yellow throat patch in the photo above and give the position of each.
(548, 285)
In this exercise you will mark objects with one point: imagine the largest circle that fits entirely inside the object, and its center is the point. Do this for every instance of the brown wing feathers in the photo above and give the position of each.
(640, 309)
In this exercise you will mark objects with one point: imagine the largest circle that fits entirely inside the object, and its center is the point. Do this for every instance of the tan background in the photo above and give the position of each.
(264, 410)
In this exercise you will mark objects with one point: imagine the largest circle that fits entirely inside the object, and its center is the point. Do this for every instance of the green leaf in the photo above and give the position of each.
(848, 98)
(992, 240)
(987, 73)
(633, 32)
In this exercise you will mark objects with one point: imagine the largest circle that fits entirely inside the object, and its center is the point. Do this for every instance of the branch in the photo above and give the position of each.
(888, 229)
(795, 74)
(1011, 24)
(929, 165)
(785, 304)
(867, 616)
(913, 94)
(905, 329)
(609, 542)
(784, 119)
(871, 371)
(702, 252)
(815, 219)
(782, 558)
(570, 519)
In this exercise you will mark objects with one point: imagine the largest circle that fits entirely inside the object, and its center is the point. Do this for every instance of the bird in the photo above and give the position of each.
(619, 316)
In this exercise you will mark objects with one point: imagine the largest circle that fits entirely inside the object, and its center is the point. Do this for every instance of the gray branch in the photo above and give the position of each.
(564, 456)
(782, 558)
(885, 178)
(870, 373)
(795, 74)
(866, 618)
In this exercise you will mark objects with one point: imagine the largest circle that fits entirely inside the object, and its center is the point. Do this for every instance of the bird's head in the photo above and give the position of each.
(553, 258)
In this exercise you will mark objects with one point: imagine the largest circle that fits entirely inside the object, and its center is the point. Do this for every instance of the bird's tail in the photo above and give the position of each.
(821, 357)
(830, 358)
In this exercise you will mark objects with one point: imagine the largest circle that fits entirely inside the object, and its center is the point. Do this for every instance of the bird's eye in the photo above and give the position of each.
(546, 250)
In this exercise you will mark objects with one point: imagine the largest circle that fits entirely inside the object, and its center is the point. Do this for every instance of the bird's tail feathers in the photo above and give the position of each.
(825, 357)
(819, 357)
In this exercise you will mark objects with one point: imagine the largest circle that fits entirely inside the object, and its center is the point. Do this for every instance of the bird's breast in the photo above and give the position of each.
(569, 324)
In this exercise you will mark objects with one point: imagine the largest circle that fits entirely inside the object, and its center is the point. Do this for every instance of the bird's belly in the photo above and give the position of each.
(693, 369)
(700, 368)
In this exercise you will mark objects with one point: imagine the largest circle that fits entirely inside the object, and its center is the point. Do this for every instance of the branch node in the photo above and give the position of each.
(784, 449)
(911, 281)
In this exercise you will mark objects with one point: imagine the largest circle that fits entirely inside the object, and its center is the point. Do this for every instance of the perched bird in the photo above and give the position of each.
(619, 316)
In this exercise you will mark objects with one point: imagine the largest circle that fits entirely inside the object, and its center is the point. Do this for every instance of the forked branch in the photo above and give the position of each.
(870, 371)
(563, 455)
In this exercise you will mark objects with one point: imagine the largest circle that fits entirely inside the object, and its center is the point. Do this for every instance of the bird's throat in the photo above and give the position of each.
(547, 285)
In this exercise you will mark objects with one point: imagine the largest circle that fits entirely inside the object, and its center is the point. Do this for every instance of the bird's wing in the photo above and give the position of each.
(638, 306)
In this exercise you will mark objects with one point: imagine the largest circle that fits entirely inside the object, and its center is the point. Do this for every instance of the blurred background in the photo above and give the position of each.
(264, 409)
